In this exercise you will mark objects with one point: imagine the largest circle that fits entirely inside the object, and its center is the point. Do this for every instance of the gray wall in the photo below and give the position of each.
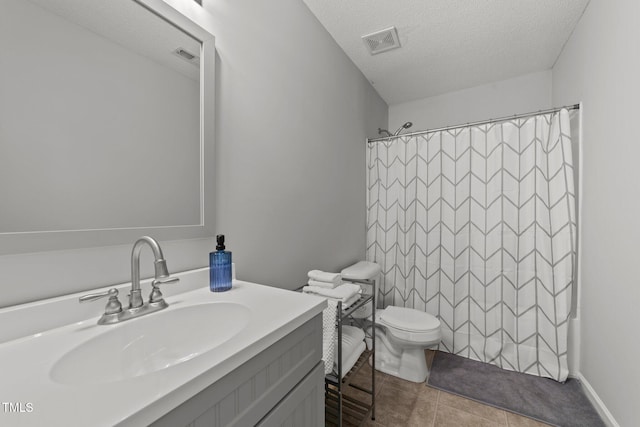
(600, 66)
(292, 116)
(523, 94)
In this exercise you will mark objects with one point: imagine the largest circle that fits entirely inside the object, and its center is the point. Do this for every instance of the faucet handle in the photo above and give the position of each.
(156, 295)
(113, 305)
(164, 280)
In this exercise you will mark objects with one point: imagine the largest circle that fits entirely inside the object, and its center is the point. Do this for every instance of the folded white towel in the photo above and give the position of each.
(349, 302)
(352, 347)
(351, 336)
(322, 276)
(328, 285)
(349, 360)
(340, 293)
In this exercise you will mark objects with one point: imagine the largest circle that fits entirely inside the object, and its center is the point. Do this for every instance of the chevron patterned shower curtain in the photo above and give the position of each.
(476, 225)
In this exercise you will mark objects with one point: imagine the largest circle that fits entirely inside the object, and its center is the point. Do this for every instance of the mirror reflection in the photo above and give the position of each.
(99, 118)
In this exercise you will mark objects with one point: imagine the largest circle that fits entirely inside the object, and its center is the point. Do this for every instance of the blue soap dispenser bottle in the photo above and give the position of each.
(220, 267)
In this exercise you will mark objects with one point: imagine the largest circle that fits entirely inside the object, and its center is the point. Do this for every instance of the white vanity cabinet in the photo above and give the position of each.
(281, 386)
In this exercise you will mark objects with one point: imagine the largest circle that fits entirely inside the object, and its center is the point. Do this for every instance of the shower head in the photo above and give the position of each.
(404, 126)
(381, 131)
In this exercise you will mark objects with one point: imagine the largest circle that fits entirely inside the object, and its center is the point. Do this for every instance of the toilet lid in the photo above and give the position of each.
(409, 319)
(363, 270)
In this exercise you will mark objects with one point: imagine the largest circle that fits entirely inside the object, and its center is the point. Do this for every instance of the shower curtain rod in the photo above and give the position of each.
(481, 122)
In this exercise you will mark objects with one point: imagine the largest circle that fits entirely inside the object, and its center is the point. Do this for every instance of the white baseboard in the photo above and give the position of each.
(597, 403)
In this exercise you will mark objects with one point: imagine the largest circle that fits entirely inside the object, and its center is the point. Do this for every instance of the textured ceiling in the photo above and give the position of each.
(449, 45)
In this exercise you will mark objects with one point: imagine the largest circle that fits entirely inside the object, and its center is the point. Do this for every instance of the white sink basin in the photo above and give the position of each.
(151, 343)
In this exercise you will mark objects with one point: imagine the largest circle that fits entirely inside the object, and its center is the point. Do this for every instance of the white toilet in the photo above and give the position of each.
(402, 334)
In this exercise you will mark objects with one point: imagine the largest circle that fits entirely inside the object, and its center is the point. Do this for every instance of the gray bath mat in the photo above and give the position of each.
(543, 399)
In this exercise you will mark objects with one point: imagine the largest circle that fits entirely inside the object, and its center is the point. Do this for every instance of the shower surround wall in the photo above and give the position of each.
(291, 121)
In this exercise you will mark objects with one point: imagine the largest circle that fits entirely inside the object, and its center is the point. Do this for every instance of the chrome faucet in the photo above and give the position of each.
(160, 265)
(114, 312)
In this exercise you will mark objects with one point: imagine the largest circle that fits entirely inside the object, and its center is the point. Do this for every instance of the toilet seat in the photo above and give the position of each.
(410, 325)
(409, 319)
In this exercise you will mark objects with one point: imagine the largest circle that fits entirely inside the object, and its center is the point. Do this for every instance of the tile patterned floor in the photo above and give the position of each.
(403, 403)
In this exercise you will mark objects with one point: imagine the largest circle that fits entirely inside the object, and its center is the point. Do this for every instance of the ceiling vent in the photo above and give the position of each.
(382, 41)
(187, 56)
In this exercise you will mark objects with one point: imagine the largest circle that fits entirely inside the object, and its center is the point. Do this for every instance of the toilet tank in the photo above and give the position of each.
(362, 270)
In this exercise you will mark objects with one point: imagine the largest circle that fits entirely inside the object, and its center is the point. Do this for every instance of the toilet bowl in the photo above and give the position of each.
(402, 334)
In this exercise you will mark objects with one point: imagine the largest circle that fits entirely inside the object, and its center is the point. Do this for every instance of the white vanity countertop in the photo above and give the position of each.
(26, 362)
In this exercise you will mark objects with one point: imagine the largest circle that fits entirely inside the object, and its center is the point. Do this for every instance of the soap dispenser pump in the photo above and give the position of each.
(220, 267)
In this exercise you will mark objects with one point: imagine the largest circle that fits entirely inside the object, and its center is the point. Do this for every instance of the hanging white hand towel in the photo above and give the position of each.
(323, 276)
(329, 336)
